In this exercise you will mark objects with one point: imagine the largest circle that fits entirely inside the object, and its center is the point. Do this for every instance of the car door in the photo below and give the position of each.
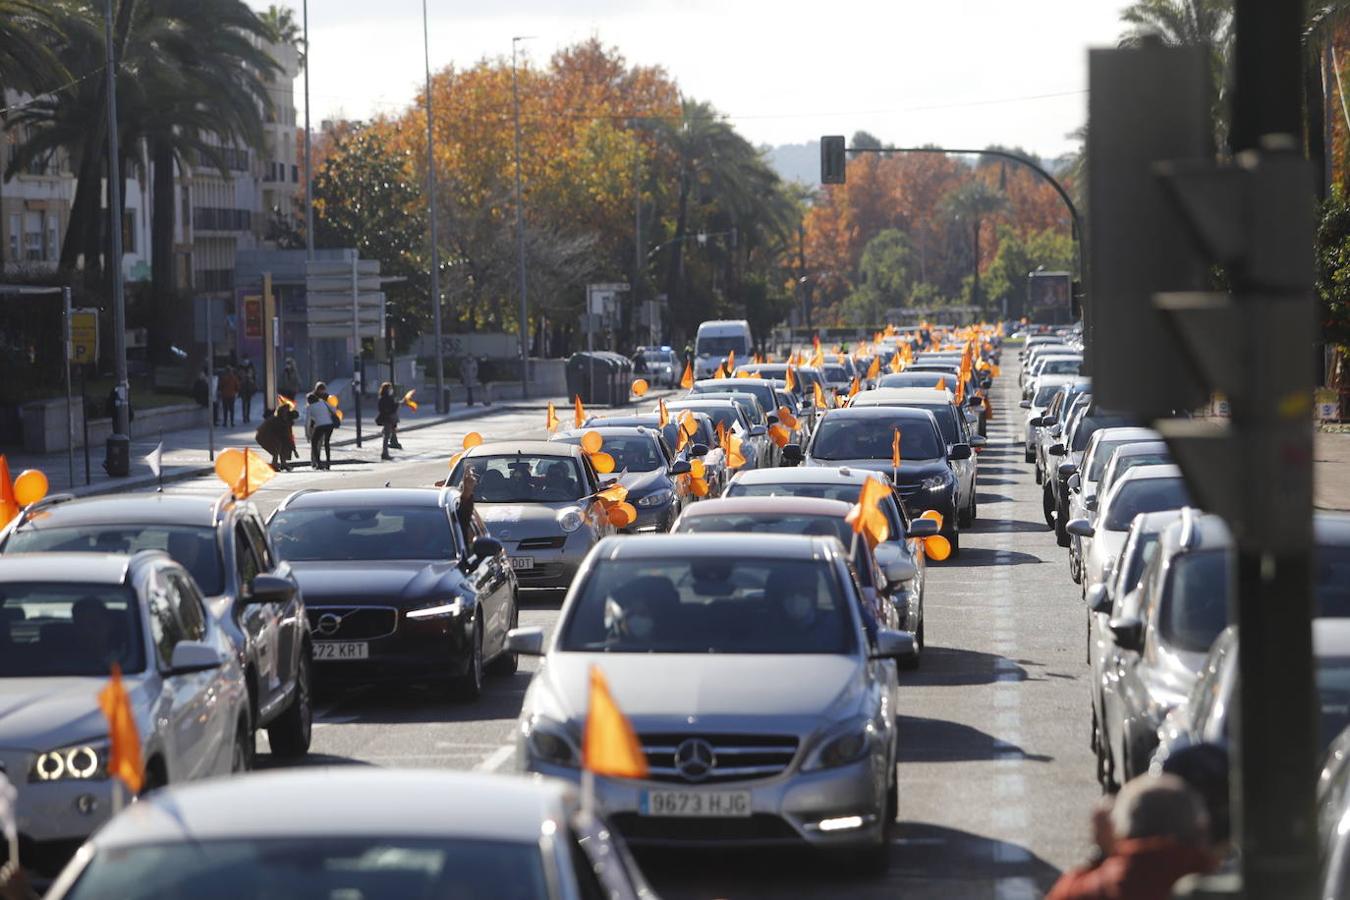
(1131, 694)
(216, 746)
(289, 619)
(260, 621)
(965, 468)
(181, 714)
(491, 585)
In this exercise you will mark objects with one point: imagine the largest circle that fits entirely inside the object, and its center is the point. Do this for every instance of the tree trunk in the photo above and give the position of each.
(1314, 112)
(162, 288)
(674, 275)
(975, 288)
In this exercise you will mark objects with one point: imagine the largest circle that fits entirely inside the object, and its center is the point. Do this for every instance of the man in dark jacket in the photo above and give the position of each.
(275, 436)
(1155, 833)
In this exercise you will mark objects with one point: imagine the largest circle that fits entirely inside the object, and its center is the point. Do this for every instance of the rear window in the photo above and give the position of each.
(193, 548)
(68, 630)
(339, 534)
(845, 492)
(634, 452)
(1144, 496)
(839, 438)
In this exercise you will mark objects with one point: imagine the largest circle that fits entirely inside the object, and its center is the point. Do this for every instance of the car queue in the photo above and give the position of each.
(814, 563)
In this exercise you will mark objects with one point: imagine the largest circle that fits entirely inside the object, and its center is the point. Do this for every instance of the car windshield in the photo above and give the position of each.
(1194, 607)
(1144, 495)
(369, 868)
(1102, 456)
(634, 452)
(840, 437)
(521, 478)
(1145, 546)
(338, 534)
(1061, 367)
(724, 415)
(780, 523)
(846, 492)
(192, 548)
(719, 345)
(73, 630)
(1044, 394)
(710, 605)
(834, 373)
(1090, 425)
(1126, 463)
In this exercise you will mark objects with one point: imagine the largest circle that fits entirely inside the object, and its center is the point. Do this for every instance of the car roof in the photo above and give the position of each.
(807, 475)
(701, 401)
(713, 545)
(650, 431)
(1126, 433)
(513, 448)
(878, 412)
(805, 506)
(906, 397)
(731, 384)
(369, 497)
(1155, 522)
(128, 509)
(75, 568)
(1209, 531)
(1331, 637)
(1139, 473)
(337, 801)
(1140, 448)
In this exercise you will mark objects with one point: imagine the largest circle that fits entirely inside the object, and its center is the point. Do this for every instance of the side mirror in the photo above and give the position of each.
(922, 528)
(1067, 470)
(959, 452)
(758, 431)
(1098, 600)
(697, 450)
(680, 467)
(900, 571)
(1073, 482)
(1036, 421)
(525, 641)
(896, 645)
(193, 656)
(269, 589)
(1091, 503)
(1080, 527)
(1056, 450)
(978, 441)
(485, 547)
(772, 419)
(975, 401)
(792, 454)
(1129, 634)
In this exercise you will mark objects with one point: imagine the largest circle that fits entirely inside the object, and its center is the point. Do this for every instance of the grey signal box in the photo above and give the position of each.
(832, 159)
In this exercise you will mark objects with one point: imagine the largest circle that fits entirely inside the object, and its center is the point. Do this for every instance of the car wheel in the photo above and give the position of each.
(965, 518)
(1039, 478)
(508, 662)
(954, 538)
(1075, 567)
(1048, 506)
(1031, 456)
(242, 758)
(1061, 535)
(290, 734)
(469, 686)
(918, 635)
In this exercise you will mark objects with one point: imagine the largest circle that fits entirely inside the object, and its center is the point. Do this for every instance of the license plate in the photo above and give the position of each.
(340, 650)
(522, 562)
(696, 804)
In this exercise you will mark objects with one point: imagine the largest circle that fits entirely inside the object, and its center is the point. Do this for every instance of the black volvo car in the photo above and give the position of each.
(403, 585)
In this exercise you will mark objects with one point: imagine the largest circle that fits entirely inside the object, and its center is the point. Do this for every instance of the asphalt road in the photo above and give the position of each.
(996, 776)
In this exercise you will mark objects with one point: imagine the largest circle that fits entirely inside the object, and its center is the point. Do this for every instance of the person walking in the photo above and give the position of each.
(201, 389)
(229, 390)
(288, 385)
(274, 435)
(319, 424)
(248, 386)
(387, 418)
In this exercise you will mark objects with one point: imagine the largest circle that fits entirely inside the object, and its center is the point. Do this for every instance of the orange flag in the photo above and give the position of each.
(9, 504)
(790, 382)
(578, 411)
(687, 380)
(408, 400)
(609, 746)
(786, 417)
(663, 414)
(866, 516)
(941, 384)
(854, 387)
(779, 435)
(896, 364)
(243, 471)
(895, 450)
(721, 372)
(874, 370)
(614, 494)
(286, 402)
(124, 752)
(551, 422)
(731, 361)
(819, 396)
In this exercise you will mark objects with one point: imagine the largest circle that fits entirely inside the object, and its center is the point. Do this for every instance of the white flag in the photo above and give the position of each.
(153, 458)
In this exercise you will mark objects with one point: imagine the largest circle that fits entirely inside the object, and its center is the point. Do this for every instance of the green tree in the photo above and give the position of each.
(886, 279)
(1189, 23)
(1333, 269)
(28, 33)
(1006, 279)
(969, 205)
(284, 29)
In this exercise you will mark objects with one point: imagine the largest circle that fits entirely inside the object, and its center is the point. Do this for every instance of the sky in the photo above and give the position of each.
(956, 73)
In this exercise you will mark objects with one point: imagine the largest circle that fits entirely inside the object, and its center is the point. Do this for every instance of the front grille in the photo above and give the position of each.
(355, 623)
(543, 543)
(756, 827)
(736, 757)
(44, 859)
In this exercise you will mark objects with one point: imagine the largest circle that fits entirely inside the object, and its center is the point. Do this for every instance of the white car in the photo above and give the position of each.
(65, 621)
(1083, 485)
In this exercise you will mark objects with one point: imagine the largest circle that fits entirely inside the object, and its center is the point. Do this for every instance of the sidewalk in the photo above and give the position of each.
(1331, 471)
(186, 453)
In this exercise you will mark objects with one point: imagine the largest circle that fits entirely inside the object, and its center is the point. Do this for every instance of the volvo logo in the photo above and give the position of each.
(694, 759)
(329, 623)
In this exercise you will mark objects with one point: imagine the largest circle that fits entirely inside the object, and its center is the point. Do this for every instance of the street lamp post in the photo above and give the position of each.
(441, 406)
(309, 156)
(119, 449)
(520, 232)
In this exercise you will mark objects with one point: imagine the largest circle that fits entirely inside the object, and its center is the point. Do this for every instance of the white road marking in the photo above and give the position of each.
(1016, 889)
(496, 759)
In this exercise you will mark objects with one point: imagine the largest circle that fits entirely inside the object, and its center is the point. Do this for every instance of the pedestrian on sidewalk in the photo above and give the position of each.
(248, 386)
(201, 389)
(319, 424)
(289, 384)
(468, 371)
(275, 436)
(229, 390)
(387, 418)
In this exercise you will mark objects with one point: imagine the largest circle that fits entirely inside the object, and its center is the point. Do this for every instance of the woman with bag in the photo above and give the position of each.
(387, 418)
(319, 424)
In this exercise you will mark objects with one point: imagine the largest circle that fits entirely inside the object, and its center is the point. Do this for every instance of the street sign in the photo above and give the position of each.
(83, 336)
(336, 292)
(253, 316)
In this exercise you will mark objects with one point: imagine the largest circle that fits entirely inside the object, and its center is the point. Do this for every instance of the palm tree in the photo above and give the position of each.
(972, 203)
(28, 32)
(284, 29)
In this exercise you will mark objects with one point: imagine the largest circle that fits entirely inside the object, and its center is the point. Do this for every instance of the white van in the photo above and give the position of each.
(715, 340)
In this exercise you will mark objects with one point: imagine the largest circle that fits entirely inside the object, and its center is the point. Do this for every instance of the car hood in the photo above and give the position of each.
(911, 471)
(393, 581)
(640, 484)
(675, 690)
(518, 521)
(41, 714)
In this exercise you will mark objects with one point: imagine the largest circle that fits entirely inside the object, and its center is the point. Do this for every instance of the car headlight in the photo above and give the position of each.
(81, 762)
(844, 745)
(549, 742)
(935, 482)
(656, 498)
(570, 519)
(437, 609)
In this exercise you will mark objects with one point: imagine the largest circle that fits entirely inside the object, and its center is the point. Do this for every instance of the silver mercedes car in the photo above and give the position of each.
(765, 713)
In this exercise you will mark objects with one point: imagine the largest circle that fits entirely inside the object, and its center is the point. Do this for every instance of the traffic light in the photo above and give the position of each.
(832, 157)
